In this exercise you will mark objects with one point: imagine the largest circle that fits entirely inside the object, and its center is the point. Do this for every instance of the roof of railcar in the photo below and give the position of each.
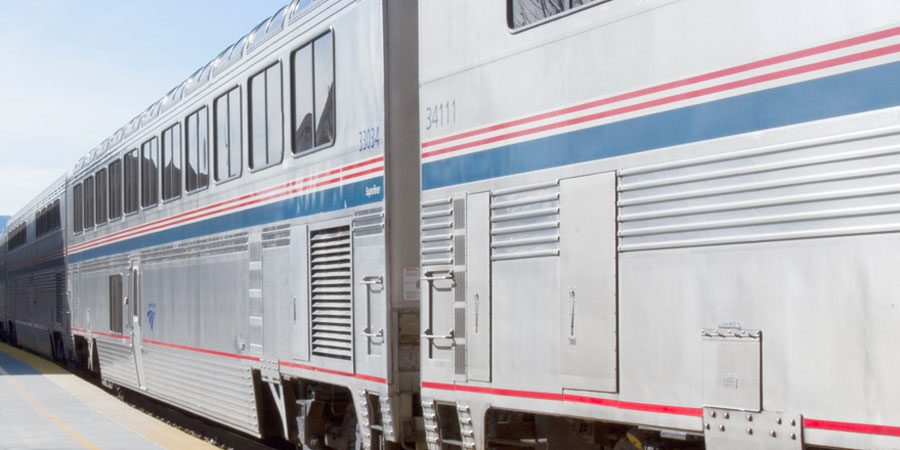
(235, 52)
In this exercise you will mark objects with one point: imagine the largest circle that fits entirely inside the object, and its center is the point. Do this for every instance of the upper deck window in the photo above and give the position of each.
(197, 144)
(100, 196)
(77, 210)
(171, 162)
(227, 135)
(89, 202)
(266, 129)
(149, 173)
(131, 168)
(521, 13)
(313, 94)
(115, 189)
(17, 237)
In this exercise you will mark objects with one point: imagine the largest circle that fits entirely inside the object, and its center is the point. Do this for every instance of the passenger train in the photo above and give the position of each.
(549, 224)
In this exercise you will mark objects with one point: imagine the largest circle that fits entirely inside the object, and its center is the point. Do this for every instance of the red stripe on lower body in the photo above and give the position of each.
(850, 427)
(333, 372)
(608, 402)
(202, 350)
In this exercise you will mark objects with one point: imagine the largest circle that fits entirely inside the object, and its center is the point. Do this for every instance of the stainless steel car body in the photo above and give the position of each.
(34, 291)
(651, 212)
(222, 289)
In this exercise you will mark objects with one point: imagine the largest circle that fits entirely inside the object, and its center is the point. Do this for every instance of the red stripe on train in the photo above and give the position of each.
(134, 230)
(847, 59)
(884, 34)
(612, 403)
(333, 372)
(850, 427)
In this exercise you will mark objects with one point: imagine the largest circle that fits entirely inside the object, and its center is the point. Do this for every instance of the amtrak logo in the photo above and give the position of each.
(373, 191)
(151, 315)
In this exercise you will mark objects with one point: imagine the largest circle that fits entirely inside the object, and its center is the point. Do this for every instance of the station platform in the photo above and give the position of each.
(42, 406)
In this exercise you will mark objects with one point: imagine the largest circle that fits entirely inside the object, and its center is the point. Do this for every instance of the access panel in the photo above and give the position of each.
(587, 294)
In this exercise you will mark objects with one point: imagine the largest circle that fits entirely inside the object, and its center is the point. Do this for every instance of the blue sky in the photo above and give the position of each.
(74, 71)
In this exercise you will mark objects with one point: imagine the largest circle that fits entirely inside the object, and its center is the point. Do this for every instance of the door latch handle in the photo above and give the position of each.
(476, 312)
(428, 335)
(369, 334)
(431, 276)
(572, 314)
(372, 279)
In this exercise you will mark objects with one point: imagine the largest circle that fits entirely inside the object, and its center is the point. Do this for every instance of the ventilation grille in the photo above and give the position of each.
(60, 296)
(277, 236)
(437, 233)
(331, 289)
(525, 222)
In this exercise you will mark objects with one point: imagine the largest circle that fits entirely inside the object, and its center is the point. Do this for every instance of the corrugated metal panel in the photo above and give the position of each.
(117, 362)
(832, 186)
(213, 387)
(331, 292)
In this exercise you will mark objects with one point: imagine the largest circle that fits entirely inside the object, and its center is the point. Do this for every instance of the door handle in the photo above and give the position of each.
(430, 276)
(428, 335)
(368, 333)
(476, 312)
(372, 279)
(572, 314)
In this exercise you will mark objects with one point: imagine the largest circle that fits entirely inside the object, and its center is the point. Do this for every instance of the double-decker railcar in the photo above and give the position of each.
(237, 249)
(675, 217)
(33, 304)
(4, 324)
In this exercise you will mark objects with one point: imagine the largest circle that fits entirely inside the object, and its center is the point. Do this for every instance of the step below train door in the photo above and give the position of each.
(134, 278)
(369, 294)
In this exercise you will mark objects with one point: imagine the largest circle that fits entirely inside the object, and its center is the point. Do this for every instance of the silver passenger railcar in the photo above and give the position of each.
(237, 250)
(675, 217)
(33, 304)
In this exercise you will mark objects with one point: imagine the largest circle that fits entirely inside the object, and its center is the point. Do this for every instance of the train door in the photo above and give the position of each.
(478, 287)
(588, 294)
(370, 308)
(136, 312)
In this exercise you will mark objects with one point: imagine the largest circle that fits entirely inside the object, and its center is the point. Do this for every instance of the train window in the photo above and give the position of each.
(88, 203)
(171, 162)
(149, 172)
(116, 295)
(313, 121)
(521, 13)
(131, 164)
(101, 200)
(265, 117)
(55, 219)
(78, 206)
(197, 137)
(17, 237)
(227, 135)
(115, 189)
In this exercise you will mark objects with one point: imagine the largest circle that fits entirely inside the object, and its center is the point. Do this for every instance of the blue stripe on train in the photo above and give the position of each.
(347, 196)
(836, 95)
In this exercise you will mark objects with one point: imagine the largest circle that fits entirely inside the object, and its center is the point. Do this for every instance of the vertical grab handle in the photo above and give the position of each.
(369, 281)
(571, 314)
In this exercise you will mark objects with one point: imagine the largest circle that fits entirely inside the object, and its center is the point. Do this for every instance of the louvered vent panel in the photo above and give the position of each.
(525, 222)
(60, 296)
(332, 286)
(437, 233)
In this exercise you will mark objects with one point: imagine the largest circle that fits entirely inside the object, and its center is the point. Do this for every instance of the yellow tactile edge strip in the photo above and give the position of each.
(108, 406)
